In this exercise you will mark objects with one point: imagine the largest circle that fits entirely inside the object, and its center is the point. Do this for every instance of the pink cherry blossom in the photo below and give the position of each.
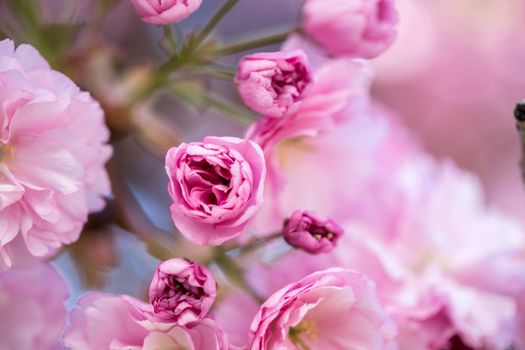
(216, 187)
(52, 154)
(182, 292)
(330, 309)
(106, 321)
(361, 28)
(441, 258)
(165, 11)
(271, 83)
(32, 308)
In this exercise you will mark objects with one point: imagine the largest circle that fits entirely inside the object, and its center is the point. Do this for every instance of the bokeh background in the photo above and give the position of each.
(453, 78)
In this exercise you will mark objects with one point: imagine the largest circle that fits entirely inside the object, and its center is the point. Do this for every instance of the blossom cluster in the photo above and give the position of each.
(325, 226)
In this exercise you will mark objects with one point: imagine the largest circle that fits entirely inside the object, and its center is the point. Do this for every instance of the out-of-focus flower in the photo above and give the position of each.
(182, 292)
(361, 28)
(165, 11)
(216, 186)
(32, 308)
(311, 233)
(271, 83)
(105, 321)
(52, 154)
(447, 267)
(331, 309)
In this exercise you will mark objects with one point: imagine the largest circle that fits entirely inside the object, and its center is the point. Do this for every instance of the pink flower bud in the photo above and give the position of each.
(182, 291)
(269, 83)
(216, 186)
(361, 28)
(165, 11)
(311, 233)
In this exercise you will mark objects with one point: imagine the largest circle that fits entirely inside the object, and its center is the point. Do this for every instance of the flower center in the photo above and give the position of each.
(306, 329)
(6, 151)
(292, 81)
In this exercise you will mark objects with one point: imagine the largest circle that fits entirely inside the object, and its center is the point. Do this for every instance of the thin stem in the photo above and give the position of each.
(235, 273)
(196, 95)
(253, 44)
(215, 20)
(130, 216)
(259, 243)
(170, 39)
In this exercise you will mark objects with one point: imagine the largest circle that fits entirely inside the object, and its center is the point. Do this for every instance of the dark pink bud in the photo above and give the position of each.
(311, 233)
(182, 291)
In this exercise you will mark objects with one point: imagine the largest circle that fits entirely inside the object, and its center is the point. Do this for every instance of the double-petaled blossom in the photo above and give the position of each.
(182, 292)
(311, 233)
(165, 11)
(216, 186)
(105, 321)
(360, 28)
(331, 309)
(271, 83)
(448, 269)
(32, 308)
(451, 268)
(52, 154)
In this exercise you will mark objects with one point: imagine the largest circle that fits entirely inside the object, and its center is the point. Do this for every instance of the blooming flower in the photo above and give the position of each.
(270, 83)
(216, 186)
(311, 233)
(165, 11)
(32, 308)
(449, 268)
(105, 321)
(52, 154)
(330, 309)
(362, 28)
(182, 291)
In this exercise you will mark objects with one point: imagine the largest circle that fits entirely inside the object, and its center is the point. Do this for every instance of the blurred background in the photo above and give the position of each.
(453, 78)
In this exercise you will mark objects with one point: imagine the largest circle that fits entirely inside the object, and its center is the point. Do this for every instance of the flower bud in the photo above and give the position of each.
(360, 28)
(270, 83)
(165, 11)
(311, 233)
(182, 291)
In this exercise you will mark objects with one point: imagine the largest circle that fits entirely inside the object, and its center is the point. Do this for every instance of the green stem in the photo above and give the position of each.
(234, 273)
(170, 39)
(253, 44)
(259, 243)
(215, 20)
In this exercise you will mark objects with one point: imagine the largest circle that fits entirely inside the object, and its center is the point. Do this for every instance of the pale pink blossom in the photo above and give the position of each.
(359, 28)
(446, 266)
(182, 291)
(330, 309)
(52, 154)
(271, 83)
(106, 321)
(448, 269)
(216, 187)
(165, 11)
(32, 308)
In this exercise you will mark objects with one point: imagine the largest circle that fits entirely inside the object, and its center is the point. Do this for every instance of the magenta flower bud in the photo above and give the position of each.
(182, 292)
(311, 233)
(165, 11)
(360, 28)
(270, 83)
